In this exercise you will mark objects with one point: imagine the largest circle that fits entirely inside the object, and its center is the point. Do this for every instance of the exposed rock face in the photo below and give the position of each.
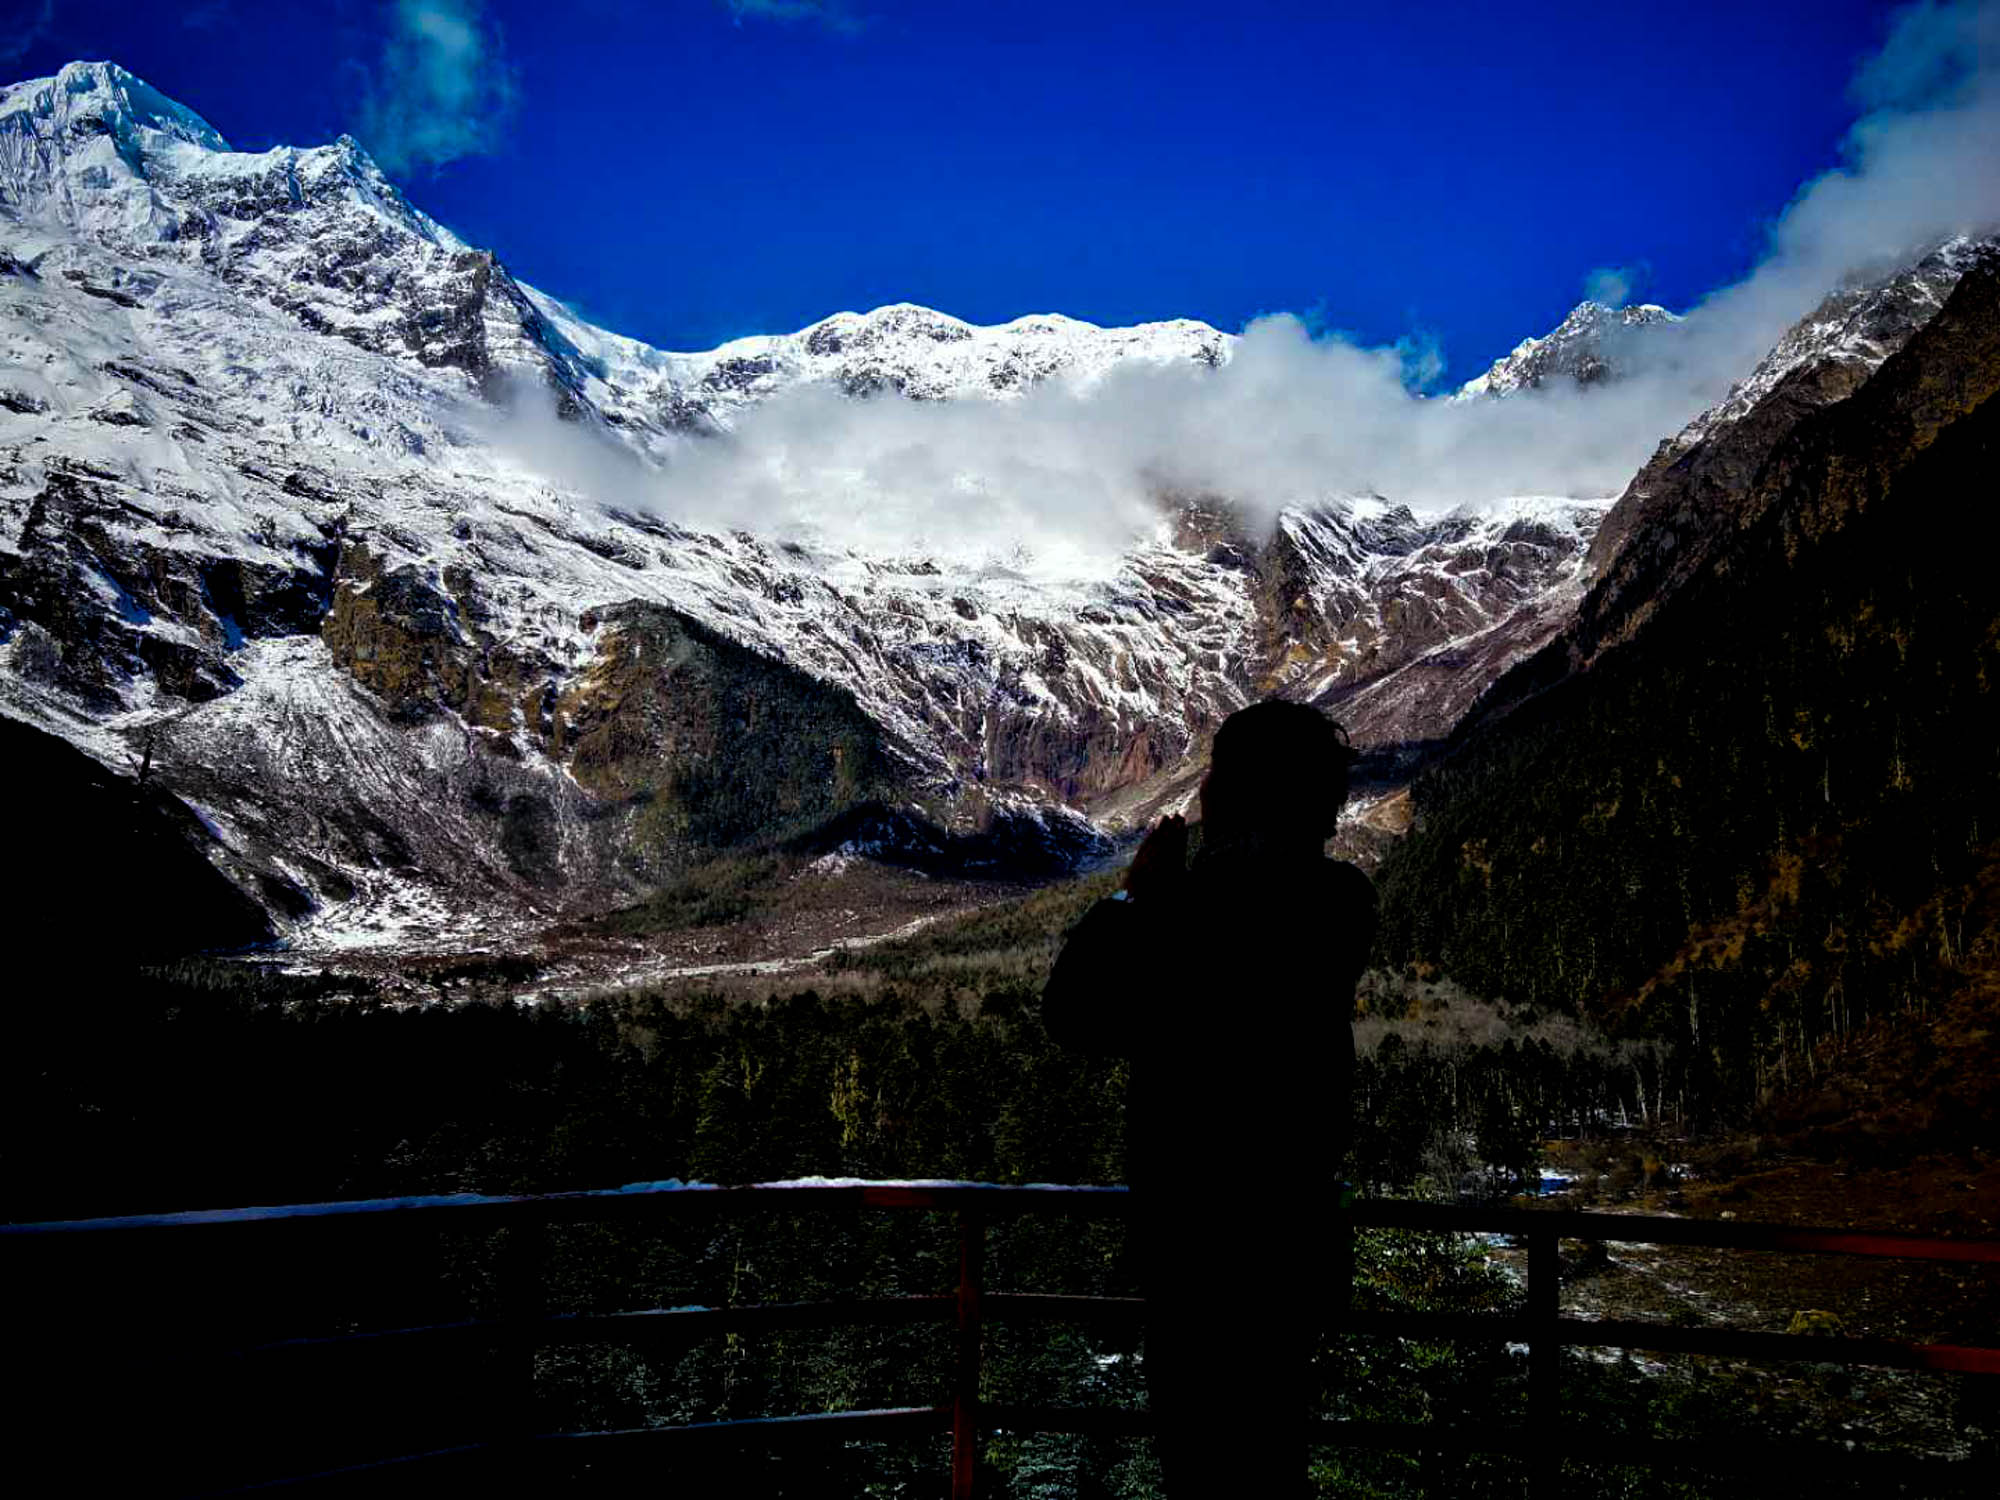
(108, 612)
(401, 637)
(1352, 602)
(710, 742)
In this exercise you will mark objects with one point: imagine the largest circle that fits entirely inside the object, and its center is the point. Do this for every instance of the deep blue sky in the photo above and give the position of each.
(688, 171)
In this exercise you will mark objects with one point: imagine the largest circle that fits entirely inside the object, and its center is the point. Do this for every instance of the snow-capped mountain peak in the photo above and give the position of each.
(104, 153)
(1585, 348)
(91, 98)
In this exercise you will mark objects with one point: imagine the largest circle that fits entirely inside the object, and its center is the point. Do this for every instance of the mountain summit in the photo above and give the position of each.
(1591, 345)
(100, 99)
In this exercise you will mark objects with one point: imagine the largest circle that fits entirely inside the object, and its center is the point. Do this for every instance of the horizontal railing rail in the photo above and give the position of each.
(1541, 1327)
(636, 1201)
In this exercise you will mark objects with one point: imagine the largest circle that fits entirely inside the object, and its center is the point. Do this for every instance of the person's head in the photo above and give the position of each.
(1278, 770)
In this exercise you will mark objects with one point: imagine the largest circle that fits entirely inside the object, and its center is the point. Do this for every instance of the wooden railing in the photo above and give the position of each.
(1541, 1327)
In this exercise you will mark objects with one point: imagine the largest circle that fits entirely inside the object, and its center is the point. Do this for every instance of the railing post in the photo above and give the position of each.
(1544, 1356)
(965, 1384)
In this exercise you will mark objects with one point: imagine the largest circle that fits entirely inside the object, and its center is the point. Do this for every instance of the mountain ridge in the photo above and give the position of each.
(253, 519)
(89, 142)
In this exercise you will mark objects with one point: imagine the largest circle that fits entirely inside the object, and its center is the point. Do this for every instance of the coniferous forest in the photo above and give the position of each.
(204, 1083)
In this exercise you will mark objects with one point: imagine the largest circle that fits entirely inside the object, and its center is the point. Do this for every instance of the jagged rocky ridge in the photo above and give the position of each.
(253, 526)
(323, 237)
(1588, 347)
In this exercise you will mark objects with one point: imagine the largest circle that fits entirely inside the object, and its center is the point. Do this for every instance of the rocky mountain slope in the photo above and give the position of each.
(259, 529)
(1688, 504)
(1692, 495)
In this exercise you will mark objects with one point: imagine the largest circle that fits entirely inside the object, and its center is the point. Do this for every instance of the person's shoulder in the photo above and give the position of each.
(1351, 905)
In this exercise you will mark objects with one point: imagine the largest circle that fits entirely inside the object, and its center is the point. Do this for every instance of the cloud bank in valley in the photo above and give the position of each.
(1064, 479)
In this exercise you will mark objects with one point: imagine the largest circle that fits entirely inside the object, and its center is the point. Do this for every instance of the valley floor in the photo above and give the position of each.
(735, 921)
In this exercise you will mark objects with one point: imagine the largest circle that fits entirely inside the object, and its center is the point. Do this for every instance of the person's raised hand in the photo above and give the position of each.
(1161, 862)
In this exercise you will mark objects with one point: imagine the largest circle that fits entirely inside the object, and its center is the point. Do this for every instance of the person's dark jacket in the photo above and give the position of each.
(1233, 996)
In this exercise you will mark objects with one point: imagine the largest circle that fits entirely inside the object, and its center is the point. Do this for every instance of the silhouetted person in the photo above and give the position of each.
(1230, 984)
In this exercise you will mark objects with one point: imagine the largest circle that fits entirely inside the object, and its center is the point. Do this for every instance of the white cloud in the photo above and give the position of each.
(1919, 166)
(442, 89)
(1931, 50)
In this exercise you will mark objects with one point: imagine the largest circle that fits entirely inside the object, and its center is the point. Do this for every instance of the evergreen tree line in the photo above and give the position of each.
(1454, 1092)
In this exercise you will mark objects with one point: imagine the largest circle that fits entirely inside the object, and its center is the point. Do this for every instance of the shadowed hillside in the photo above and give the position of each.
(112, 867)
(1768, 819)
